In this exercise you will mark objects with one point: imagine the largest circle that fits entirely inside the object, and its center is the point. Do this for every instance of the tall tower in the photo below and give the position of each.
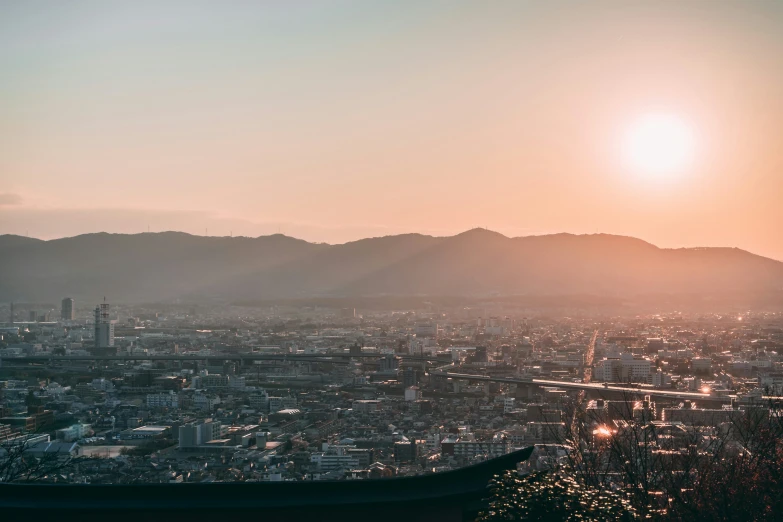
(67, 311)
(104, 328)
(13, 316)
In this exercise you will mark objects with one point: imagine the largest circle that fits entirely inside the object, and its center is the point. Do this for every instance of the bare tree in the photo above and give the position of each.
(552, 496)
(24, 459)
(729, 472)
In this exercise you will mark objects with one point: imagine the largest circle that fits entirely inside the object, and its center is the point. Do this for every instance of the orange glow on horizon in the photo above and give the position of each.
(527, 118)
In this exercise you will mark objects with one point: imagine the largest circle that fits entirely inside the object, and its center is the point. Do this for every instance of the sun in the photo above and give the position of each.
(659, 144)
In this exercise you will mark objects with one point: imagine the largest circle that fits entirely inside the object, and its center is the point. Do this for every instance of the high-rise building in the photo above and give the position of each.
(198, 433)
(104, 328)
(66, 311)
(33, 316)
(390, 363)
(410, 377)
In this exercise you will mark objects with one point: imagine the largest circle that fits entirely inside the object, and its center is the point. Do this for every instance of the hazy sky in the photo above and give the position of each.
(334, 120)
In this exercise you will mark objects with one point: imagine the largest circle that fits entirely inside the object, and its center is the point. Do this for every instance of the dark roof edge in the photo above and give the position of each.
(242, 496)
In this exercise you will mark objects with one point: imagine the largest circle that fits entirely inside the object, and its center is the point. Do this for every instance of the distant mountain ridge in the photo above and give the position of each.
(174, 265)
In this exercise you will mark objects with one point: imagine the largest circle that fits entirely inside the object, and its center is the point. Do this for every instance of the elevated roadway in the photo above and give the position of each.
(337, 358)
(582, 386)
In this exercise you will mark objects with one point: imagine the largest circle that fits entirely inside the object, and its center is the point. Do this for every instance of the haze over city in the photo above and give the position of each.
(410, 260)
(335, 121)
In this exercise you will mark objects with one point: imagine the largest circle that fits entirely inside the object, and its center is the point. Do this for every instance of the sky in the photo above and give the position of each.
(333, 121)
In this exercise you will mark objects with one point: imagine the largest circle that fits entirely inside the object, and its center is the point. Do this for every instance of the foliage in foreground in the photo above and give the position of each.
(732, 472)
(552, 496)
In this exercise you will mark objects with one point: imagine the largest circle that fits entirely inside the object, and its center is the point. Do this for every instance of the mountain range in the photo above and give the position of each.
(153, 267)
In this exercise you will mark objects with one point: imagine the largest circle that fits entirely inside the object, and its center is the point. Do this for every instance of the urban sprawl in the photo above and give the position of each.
(201, 393)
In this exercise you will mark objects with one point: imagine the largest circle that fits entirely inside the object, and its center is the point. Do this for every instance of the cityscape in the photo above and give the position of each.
(127, 394)
(409, 260)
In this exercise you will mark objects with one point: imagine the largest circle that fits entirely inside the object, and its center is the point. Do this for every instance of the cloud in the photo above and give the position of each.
(7, 198)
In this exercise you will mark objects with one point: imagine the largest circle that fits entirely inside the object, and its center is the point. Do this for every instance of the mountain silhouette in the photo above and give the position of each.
(173, 265)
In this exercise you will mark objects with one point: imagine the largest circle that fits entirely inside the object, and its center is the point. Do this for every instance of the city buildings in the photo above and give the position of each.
(625, 367)
(285, 395)
(163, 400)
(104, 330)
(67, 311)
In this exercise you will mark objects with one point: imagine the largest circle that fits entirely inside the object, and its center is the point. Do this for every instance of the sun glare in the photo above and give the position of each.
(659, 144)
